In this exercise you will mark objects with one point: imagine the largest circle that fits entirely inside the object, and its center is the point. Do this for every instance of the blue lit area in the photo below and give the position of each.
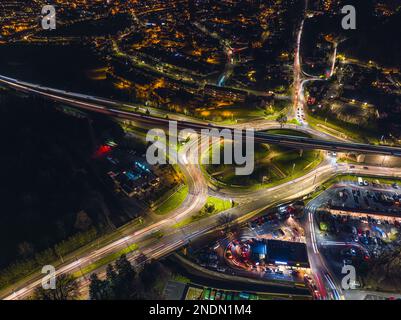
(141, 166)
(131, 176)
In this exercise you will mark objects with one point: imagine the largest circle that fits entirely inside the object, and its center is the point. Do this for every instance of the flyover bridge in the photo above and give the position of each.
(110, 108)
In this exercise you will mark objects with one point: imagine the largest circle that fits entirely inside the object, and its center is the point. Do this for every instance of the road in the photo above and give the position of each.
(254, 203)
(230, 64)
(177, 237)
(250, 203)
(262, 137)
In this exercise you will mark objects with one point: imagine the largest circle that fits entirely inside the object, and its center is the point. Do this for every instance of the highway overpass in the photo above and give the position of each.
(111, 108)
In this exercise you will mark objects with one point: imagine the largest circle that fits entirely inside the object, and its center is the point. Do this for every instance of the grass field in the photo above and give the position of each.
(292, 162)
(273, 165)
(218, 204)
(288, 132)
(343, 130)
(174, 201)
(105, 260)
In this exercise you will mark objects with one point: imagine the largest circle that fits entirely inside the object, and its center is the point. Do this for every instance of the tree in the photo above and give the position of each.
(112, 282)
(82, 221)
(282, 119)
(97, 288)
(66, 289)
(25, 249)
(225, 220)
(125, 287)
(152, 274)
(124, 268)
(111, 274)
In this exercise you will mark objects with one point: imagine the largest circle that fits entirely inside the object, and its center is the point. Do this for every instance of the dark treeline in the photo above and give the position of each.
(123, 282)
(51, 200)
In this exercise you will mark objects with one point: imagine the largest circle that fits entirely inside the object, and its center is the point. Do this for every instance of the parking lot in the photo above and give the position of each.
(369, 196)
(235, 254)
(358, 222)
(374, 233)
(274, 226)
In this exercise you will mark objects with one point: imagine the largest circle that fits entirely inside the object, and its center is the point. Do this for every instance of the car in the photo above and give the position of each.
(347, 261)
(366, 168)
(221, 269)
(365, 183)
(348, 253)
(213, 256)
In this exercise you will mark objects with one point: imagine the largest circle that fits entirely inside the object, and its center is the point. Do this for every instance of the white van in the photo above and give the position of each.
(360, 181)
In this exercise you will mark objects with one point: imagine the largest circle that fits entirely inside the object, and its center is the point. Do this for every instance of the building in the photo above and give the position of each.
(277, 252)
(223, 93)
